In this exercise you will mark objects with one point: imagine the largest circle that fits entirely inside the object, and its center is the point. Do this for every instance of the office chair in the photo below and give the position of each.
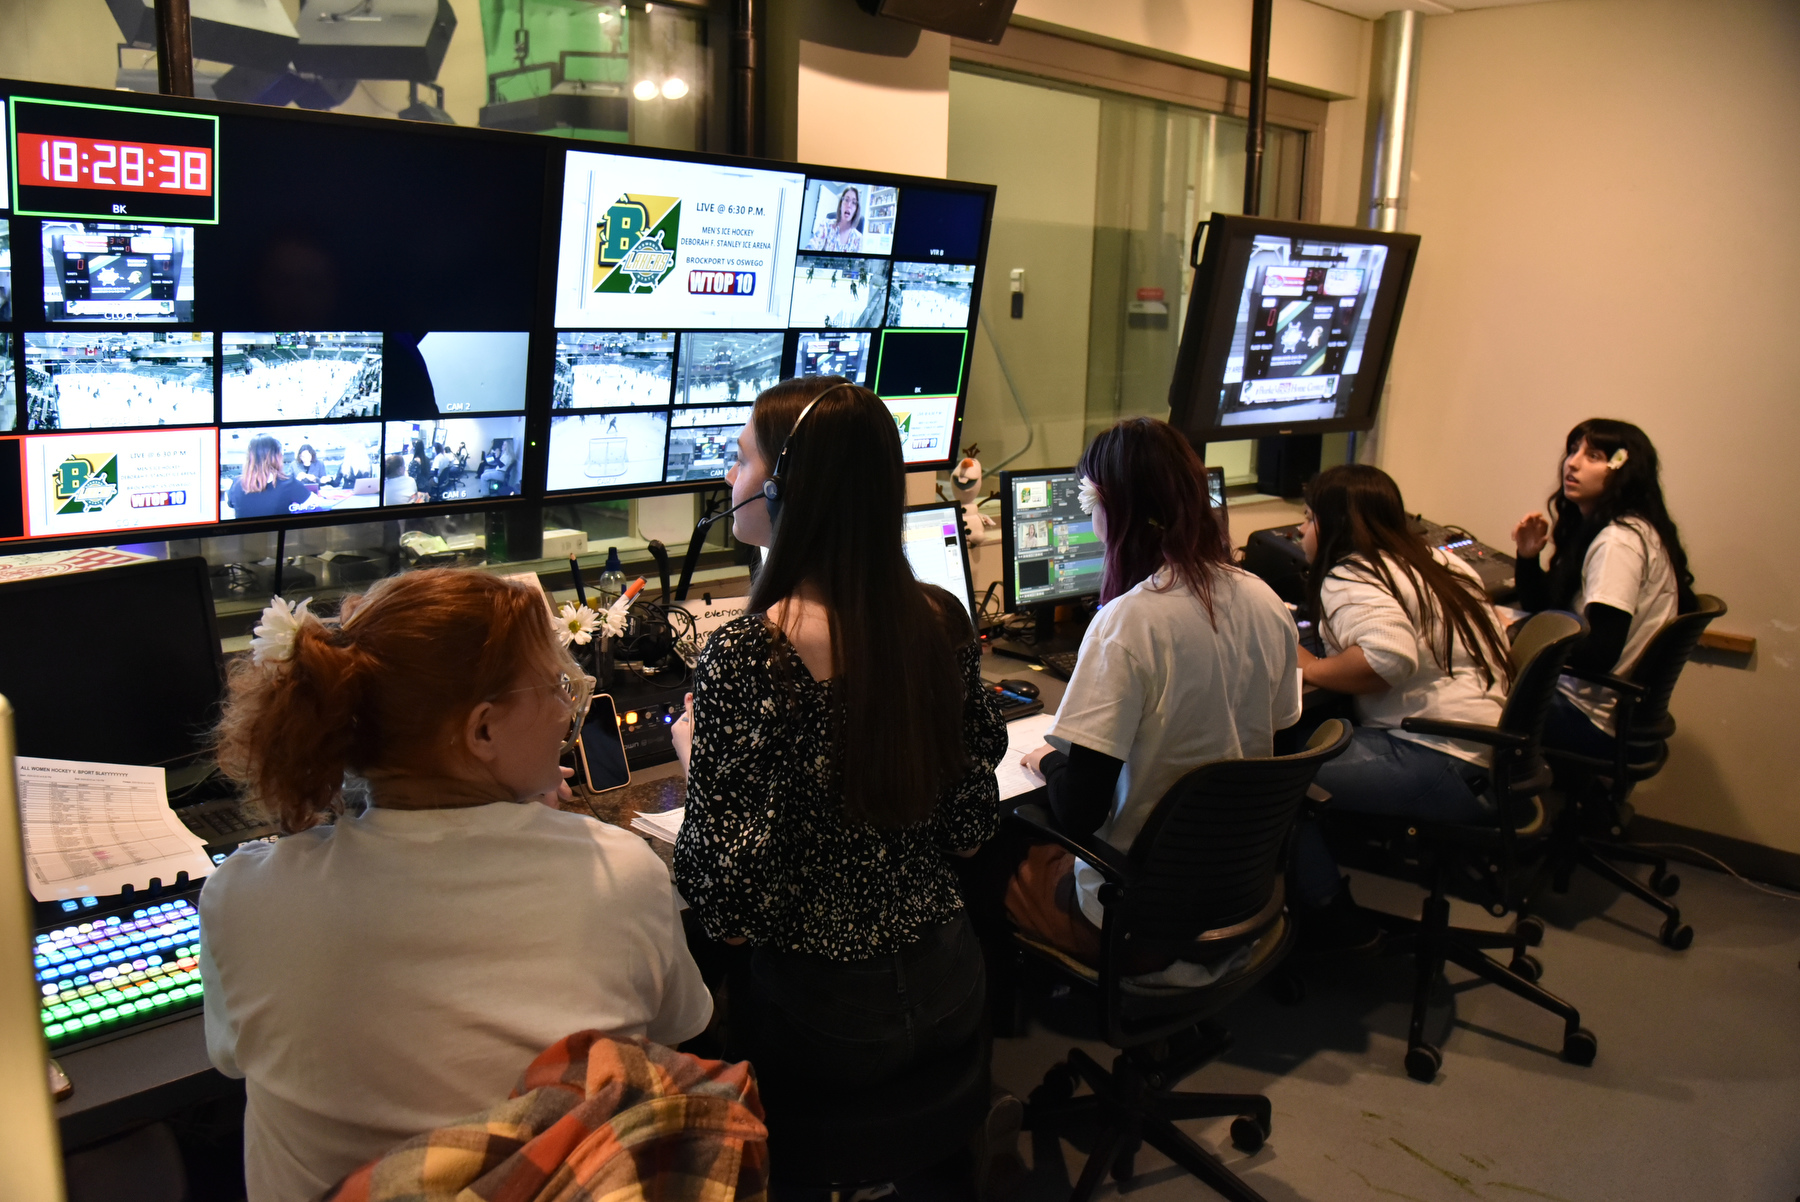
(1205, 877)
(1491, 862)
(1591, 833)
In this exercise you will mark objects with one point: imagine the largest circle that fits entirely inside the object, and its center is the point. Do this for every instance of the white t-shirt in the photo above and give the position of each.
(1159, 687)
(377, 978)
(1360, 612)
(1627, 568)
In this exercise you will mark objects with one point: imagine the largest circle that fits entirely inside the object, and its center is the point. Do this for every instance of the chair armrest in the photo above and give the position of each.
(1109, 861)
(1605, 678)
(1493, 736)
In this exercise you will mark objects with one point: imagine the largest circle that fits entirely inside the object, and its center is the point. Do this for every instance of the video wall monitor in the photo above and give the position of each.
(1290, 328)
(248, 318)
(1050, 553)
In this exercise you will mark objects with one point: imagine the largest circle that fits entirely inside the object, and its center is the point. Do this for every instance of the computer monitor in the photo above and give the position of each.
(120, 665)
(938, 551)
(1050, 554)
(1289, 329)
(1215, 487)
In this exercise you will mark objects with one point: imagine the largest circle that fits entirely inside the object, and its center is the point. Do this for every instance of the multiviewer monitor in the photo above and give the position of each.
(1289, 329)
(218, 316)
(1050, 553)
(55, 668)
(933, 539)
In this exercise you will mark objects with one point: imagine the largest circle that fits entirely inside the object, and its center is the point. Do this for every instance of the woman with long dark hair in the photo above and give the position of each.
(1410, 634)
(1190, 660)
(839, 745)
(1618, 562)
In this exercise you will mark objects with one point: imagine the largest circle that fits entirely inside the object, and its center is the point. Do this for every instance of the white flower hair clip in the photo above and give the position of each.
(576, 624)
(275, 633)
(1089, 498)
(1618, 459)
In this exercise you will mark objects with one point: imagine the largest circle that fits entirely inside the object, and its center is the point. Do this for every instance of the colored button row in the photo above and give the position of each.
(72, 1024)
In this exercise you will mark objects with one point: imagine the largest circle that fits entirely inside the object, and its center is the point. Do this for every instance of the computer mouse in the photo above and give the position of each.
(1023, 688)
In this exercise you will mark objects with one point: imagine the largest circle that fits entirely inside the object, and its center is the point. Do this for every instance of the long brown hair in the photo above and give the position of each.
(1634, 489)
(893, 640)
(262, 463)
(1158, 509)
(1363, 527)
(382, 687)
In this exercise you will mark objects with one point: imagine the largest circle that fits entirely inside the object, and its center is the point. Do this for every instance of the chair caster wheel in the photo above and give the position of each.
(1667, 884)
(1248, 1135)
(1580, 1047)
(1677, 935)
(1287, 987)
(1526, 968)
(1424, 1061)
(1529, 931)
(1124, 1165)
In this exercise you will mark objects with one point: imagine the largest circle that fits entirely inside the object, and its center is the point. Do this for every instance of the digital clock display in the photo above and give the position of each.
(85, 160)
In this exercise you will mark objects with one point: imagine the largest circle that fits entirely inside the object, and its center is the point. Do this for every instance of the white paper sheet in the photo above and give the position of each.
(664, 826)
(1026, 734)
(92, 829)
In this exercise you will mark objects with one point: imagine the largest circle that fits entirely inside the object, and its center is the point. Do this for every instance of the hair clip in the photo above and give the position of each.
(1089, 498)
(276, 631)
(1618, 459)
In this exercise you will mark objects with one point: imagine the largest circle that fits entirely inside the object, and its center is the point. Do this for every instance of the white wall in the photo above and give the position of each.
(1606, 195)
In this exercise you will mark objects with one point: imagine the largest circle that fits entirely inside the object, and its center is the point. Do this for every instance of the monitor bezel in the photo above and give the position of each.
(540, 367)
(962, 542)
(1008, 589)
(1206, 342)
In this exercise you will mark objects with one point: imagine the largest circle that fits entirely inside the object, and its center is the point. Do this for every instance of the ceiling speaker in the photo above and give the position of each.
(975, 20)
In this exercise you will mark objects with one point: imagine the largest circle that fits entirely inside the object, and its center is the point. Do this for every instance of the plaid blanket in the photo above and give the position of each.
(592, 1118)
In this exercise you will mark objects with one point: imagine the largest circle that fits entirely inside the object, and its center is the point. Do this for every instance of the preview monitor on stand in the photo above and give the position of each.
(936, 547)
(1050, 556)
(1289, 334)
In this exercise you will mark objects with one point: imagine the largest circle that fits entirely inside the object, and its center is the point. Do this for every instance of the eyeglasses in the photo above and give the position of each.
(575, 692)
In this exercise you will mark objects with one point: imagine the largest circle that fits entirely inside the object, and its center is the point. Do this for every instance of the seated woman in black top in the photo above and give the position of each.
(839, 745)
(265, 490)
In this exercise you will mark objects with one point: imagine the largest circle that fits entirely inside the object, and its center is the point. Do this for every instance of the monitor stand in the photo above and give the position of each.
(1045, 641)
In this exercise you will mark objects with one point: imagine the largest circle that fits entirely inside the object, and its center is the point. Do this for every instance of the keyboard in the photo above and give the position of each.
(1015, 705)
(1060, 664)
(106, 976)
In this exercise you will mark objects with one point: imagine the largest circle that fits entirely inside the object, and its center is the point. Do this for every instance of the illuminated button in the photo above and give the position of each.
(54, 1030)
(631, 718)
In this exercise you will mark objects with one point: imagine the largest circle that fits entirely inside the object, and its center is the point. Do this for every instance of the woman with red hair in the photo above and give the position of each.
(378, 974)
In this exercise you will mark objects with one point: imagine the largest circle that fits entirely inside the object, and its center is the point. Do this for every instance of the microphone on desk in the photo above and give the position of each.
(695, 543)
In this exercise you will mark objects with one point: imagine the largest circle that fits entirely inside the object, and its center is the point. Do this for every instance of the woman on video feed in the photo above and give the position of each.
(265, 490)
(845, 231)
(306, 465)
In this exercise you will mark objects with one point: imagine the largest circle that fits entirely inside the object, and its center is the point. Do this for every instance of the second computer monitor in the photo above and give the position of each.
(1050, 551)
(933, 541)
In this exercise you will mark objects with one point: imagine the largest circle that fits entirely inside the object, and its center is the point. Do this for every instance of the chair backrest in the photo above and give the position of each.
(1538, 655)
(1659, 667)
(1209, 857)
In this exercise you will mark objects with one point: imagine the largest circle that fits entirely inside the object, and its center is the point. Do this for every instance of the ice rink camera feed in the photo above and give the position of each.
(839, 294)
(93, 380)
(703, 443)
(1303, 317)
(278, 471)
(606, 450)
(607, 370)
(108, 271)
(848, 218)
(833, 353)
(300, 376)
(452, 459)
(727, 369)
(930, 294)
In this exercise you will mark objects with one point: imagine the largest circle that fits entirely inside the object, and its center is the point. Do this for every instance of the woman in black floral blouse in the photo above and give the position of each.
(839, 746)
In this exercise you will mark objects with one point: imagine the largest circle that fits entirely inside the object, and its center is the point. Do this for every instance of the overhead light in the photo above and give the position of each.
(645, 90)
(674, 88)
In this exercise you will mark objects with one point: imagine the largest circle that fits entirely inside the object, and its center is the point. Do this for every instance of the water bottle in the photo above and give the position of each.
(612, 579)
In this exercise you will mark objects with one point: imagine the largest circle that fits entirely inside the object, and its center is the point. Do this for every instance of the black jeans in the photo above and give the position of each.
(863, 1021)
